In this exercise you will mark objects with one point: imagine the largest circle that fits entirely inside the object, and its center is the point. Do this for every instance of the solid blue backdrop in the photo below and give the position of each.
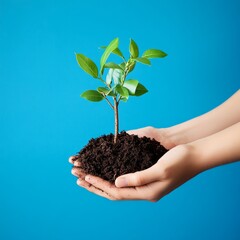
(43, 120)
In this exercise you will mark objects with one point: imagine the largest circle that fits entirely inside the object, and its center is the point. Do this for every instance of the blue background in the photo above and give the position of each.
(43, 121)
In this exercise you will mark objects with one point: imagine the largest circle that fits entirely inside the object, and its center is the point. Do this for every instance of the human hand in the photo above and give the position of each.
(176, 167)
(159, 134)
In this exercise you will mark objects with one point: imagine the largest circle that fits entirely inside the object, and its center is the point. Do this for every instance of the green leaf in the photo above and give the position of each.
(154, 53)
(112, 46)
(143, 60)
(123, 64)
(113, 65)
(122, 91)
(111, 93)
(124, 99)
(103, 90)
(106, 91)
(92, 95)
(116, 51)
(140, 90)
(87, 65)
(131, 85)
(133, 49)
(117, 76)
(109, 76)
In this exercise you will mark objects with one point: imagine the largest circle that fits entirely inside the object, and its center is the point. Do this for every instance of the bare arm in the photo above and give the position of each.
(220, 148)
(223, 116)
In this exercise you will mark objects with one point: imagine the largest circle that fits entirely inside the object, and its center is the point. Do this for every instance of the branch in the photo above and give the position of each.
(108, 102)
(119, 99)
(99, 78)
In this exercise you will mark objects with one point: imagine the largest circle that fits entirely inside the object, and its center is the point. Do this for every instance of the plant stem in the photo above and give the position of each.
(100, 78)
(116, 119)
(110, 104)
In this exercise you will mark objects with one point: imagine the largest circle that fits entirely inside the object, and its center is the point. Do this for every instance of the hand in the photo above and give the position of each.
(176, 167)
(151, 132)
(159, 134)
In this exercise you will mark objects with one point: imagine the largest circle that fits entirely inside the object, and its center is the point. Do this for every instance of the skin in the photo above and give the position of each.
(217, 132)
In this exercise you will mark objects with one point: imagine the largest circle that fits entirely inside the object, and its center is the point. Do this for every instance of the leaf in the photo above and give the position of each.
(140, 90)
(111, 93)
(154, 53)
(131, 85)
(143, 60)
(103, 90)
(92, 95)
(133, 49)
(113, 65)
(123, 64)
(124, 99)
(112, 46)
(87, 65)
(116, 51)
(109, 76)
(122, 91)
(106, 91)
(117, 76)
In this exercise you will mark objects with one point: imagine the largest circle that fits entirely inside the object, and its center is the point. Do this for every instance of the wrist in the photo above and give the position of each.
(218, 149)
(182, 161)
(198, 156)
(206, 155)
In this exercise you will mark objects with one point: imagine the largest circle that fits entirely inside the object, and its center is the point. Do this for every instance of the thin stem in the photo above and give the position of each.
(125, 73)
(119, 99)
(116, 119)
(124, 76)
(99, 78)
(109, 102)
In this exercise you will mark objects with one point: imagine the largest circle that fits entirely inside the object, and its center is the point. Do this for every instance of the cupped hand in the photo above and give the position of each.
(159, 134)
(175, 168)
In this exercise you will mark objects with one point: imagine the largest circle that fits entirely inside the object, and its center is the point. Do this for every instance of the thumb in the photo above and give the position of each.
(138, 178)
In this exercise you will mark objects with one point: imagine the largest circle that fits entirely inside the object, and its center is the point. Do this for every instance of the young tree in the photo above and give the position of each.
(116, 84)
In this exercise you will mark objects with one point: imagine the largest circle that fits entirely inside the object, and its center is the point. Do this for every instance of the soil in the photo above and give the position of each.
(102, 158)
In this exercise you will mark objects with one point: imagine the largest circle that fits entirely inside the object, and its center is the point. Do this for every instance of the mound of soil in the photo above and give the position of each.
(102, 158)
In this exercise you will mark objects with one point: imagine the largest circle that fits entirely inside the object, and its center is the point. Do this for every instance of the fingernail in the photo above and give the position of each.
(79, 182)
(70, 160)
(77, 164)
(121, 182)
(87, 178)
(73, 171)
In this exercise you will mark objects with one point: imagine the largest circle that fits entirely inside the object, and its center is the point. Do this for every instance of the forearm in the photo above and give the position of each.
(209, 123)
(218, 149)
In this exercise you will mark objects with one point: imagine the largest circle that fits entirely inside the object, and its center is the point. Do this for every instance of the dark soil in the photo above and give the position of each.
(102, 158)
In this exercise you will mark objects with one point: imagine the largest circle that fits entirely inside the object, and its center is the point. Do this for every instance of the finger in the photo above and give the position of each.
(139, 178)
(73, 160)
(112, 190)
(141, 132)
(77, 164)
(78, 172)
(99, 182)
(157, 191)
(91, 188)
(135, 132)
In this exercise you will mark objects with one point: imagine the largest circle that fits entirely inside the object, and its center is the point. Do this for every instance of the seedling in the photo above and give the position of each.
(116, 84)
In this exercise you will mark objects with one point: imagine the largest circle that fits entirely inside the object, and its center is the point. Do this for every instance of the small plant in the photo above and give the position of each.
(116, 84)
